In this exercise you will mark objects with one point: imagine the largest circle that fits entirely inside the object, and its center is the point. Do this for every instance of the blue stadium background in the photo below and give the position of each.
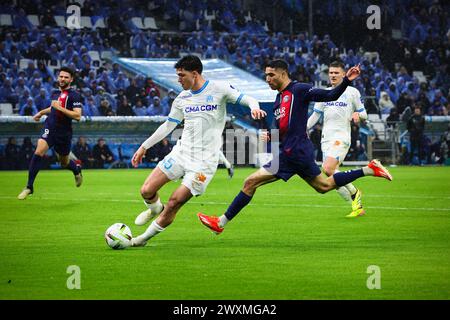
(405, 64)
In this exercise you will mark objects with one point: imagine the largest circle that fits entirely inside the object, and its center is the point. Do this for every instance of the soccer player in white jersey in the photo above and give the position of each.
(194, 159)
(336, 138)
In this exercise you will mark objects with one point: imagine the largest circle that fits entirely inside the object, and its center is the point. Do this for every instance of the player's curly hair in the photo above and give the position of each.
(68, 70)
(190, 63)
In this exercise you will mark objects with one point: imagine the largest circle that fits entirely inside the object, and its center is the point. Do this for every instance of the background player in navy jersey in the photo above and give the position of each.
(57, 131)
(296, 151)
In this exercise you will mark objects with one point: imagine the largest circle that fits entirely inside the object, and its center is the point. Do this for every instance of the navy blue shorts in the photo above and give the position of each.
(61, 143)
(302, 164)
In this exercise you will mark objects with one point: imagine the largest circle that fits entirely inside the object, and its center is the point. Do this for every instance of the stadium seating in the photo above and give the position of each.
(34, 19)
(150, 23)
(60, 21)
(6, 20)
(6, 109)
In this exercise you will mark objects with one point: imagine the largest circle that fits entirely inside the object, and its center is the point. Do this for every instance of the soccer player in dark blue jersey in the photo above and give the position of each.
(57, 131)
(295, 155)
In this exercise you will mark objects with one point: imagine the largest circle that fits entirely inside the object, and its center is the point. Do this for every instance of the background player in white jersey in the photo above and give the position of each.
(202, 106)
(336, 138)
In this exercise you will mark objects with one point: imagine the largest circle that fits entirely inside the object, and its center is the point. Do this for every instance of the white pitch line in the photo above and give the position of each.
(366, 195)
(286, 205)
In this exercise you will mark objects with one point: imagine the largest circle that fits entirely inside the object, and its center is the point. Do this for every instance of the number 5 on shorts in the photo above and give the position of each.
(169, 163)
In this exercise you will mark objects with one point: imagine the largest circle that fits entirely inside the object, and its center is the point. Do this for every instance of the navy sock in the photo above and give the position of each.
(345, 177)
(237, 205)
(35, 166)
(73, 167)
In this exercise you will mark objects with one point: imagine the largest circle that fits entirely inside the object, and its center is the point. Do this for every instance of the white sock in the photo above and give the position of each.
(351, 188)
(156, 206)
(224, 160)
(152, 230)
(367, 171)
(344, 193)
(227, 163)
(223, 221)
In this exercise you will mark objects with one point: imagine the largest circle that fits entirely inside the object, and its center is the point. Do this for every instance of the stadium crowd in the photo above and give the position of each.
(232, 36)
(246, 35)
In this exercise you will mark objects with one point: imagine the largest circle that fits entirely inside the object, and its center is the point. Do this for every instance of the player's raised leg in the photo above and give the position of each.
(35, 165)
(178, 198)
(255, 180)
(71, 165)
(149, 192)
(340, 179)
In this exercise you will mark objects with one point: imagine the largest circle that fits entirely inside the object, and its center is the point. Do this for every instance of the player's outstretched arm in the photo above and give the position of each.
(160, 133)
(321, 95)
(39, 115)
(256, 112)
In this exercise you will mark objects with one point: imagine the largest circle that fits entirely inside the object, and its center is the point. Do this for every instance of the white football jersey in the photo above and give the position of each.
(204, 114)
(338, 114)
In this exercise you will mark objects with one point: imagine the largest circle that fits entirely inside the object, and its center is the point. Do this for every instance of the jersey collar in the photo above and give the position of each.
(201, 89)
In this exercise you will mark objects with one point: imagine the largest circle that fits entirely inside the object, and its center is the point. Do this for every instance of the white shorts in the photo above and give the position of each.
(196, 177)
(335, 149)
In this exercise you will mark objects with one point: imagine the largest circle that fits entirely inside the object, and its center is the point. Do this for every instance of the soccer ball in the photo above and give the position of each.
(118, 236)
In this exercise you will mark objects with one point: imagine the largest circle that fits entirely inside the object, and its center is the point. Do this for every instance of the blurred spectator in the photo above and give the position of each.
(416, 127)
(156, 109)
(167, 101)
(125, 108)
(385, 103)
(7, 93)
(83, 152)
(436, 109)
(103, 95)
(370, 104)
(121, 82)
(42, 101)
(102, 154)
(28, 109)
(105, 109)
(90, 109)
(149, 84)
(21, 86)
(393, 118)
(139, 109)
(12, 155)
(159, 151)
(26, 152)
(132, 92)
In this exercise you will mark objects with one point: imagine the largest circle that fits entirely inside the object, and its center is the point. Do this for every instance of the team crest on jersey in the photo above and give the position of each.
(209, 99)
(63, 96)
(286, 99)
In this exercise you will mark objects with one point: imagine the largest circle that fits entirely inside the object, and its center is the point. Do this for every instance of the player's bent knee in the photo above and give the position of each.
(147, 192)
(322, 188)
(250, 185)
(328, 171)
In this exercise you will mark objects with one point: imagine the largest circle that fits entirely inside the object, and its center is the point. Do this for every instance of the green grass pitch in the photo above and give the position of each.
(290, 243)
